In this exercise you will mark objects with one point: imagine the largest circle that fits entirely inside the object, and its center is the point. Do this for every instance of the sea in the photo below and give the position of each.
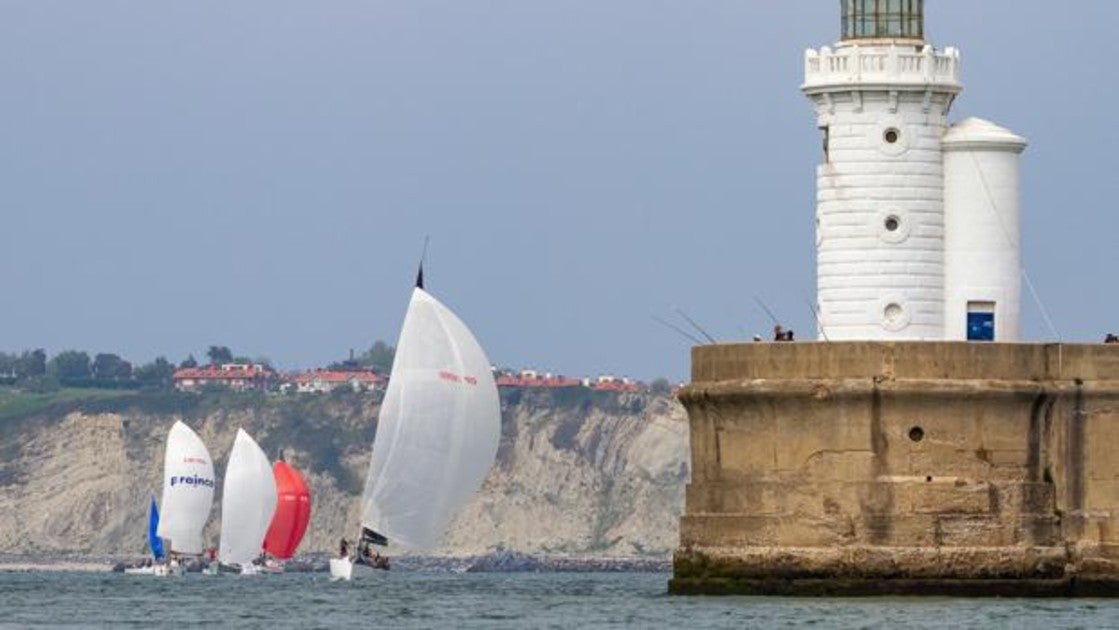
(422, 599)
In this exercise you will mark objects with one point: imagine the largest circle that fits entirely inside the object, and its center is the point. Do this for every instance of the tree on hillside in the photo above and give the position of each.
(110, 366)
(70, 365)
(158, 373)
(379, 357)
(660, 386)
(189, 362)
(219, 355)
(8, 364)
(32, 363)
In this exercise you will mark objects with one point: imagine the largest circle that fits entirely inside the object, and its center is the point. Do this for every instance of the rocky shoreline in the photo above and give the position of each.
(498, 562)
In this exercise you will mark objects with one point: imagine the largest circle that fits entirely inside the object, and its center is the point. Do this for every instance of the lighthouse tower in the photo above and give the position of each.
(917, 458)
(882, 97)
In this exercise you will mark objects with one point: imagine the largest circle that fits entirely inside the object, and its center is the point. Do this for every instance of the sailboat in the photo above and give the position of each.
(247, 503)
(188, 496)
(437, 434)
(155, 544)
(293, 512)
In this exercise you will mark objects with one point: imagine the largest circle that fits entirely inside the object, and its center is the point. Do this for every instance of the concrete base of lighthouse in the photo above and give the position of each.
(873, 468)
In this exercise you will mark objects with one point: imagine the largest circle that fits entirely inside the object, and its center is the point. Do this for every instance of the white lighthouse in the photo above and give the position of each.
(894, 262)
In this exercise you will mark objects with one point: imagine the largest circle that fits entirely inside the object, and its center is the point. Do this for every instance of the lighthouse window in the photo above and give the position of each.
(892, 223)
(892, 136)
(894, 313)
(883, 18)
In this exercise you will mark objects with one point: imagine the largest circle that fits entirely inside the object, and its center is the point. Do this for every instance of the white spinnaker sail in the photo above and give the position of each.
(438, 430)
(247, 503)
(188, 490)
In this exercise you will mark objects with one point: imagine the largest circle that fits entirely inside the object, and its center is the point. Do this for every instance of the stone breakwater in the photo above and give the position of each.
(902, 468)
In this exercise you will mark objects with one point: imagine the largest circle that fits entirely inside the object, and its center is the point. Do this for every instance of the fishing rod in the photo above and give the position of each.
(678, 330)
(765, 308)
(819, 320)
(703, 332)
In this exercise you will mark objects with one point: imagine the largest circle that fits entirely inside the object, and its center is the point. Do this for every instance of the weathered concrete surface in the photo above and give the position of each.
(895, 468)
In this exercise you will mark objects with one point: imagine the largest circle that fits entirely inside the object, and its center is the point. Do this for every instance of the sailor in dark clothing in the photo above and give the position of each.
(372, 558)
(344, 549)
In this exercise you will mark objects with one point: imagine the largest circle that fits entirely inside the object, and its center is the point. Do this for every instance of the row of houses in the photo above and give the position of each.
(534, 378)
(249, 377)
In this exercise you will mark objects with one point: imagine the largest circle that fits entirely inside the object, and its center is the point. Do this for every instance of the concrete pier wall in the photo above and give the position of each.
(879, 467)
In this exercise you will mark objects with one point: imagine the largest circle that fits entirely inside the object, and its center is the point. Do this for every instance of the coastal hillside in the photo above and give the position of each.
(578, 472)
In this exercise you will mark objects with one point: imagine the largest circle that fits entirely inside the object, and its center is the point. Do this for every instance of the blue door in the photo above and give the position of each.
(980, 326)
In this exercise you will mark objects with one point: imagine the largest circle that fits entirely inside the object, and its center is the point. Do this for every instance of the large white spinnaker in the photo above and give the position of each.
(188, 490)
(438, 429)
(247, 503)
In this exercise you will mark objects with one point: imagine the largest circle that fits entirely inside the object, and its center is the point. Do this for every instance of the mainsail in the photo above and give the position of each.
(438, 430)
(248, 500)
(293, 512)
(188, 490)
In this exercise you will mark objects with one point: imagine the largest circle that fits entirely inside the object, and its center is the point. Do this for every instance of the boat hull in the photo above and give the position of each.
(168, 570)
(341, 569)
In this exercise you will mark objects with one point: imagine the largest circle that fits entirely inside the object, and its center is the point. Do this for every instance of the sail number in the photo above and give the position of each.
(455, 378)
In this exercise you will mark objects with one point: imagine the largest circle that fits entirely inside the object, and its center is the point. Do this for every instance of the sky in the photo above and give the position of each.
(262, 174)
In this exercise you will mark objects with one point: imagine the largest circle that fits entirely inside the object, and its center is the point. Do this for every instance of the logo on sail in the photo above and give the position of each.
(194, 480)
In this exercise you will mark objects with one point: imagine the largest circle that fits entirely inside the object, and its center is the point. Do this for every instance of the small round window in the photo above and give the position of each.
(893, 313)
(892, 223)
(892, 136)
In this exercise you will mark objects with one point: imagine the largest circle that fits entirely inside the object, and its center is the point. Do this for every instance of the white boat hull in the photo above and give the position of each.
(169, 570)
(341, 569)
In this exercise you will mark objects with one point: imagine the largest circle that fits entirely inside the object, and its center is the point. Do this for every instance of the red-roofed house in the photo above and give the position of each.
(532, 378)
(235, 376)
(609, 383)
(329, 380)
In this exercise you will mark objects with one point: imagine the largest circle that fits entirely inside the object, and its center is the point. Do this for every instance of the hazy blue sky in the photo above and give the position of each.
(261, 173)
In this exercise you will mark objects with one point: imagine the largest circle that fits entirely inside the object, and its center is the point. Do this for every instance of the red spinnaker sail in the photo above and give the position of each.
(293, 512)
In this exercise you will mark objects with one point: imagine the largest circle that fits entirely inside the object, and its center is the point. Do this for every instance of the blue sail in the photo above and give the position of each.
(154, 541)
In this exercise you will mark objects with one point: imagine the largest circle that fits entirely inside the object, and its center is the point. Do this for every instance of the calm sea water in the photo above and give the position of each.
(474, 600)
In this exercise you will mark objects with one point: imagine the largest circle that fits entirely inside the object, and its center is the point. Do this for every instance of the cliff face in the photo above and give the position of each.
(576, 472)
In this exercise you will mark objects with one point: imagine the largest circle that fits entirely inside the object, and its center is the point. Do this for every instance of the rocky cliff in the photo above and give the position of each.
(577, 472)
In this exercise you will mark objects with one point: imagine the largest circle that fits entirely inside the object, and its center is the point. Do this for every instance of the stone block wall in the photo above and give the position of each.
(877, 467)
